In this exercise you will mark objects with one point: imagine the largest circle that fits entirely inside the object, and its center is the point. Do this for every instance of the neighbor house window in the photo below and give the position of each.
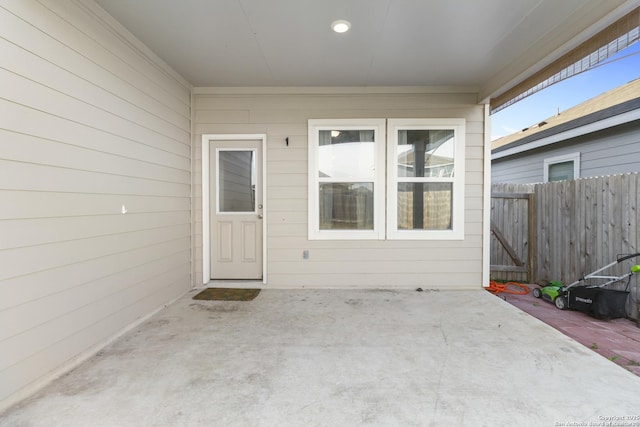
(425, 179)
(562, 168)
(346, 179)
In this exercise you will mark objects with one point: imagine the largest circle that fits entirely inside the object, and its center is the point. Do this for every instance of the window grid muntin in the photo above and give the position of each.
(394, 127)
(378, 127)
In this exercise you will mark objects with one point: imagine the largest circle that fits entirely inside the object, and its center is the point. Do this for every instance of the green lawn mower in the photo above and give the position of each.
(549, 292)
(590, 294)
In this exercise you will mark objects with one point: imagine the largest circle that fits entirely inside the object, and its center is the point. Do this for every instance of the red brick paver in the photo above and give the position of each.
(616, 339)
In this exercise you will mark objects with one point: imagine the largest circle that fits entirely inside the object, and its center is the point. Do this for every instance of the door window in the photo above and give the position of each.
(236, 181)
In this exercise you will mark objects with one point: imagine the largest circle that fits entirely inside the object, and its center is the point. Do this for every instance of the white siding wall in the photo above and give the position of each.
(90, 120)
(607, 152)
(342, 264)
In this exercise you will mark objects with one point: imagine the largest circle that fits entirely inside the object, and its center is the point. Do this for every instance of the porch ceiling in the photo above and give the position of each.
(484, 45)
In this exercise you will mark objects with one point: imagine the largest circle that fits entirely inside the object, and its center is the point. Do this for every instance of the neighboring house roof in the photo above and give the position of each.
(617, 106)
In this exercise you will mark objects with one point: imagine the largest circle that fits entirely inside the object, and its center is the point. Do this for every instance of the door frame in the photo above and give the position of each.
(206, 198)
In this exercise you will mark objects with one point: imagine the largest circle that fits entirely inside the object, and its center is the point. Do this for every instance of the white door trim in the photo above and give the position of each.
(206, 208)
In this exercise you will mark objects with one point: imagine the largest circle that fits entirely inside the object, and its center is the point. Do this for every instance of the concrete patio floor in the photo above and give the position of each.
(339, 358)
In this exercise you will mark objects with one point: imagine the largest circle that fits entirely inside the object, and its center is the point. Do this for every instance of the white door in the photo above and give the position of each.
(236, 209)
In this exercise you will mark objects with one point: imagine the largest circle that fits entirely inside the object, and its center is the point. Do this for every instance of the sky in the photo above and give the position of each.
(616, 71)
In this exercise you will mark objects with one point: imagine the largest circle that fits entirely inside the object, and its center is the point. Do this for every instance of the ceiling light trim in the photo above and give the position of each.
(341, 26)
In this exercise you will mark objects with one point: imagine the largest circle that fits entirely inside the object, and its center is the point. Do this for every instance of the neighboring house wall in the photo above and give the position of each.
(344, 263)
(606, 152)
(90, 121)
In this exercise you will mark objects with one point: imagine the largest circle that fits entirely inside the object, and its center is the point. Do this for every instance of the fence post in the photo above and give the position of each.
(531, 217)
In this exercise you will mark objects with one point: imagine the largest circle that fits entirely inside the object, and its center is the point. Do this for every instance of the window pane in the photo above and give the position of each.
(425, 153)
(346, 154)
(561, 171)
(346, 206)
(425, 206)
(237, 174)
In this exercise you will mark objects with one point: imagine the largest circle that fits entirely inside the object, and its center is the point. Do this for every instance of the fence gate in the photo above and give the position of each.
(512, 215)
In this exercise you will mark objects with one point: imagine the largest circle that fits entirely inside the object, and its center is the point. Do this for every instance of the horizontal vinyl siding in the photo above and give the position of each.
(343, 264)
(612, 151)
(607, 152)
(520, 170)
(90, 120)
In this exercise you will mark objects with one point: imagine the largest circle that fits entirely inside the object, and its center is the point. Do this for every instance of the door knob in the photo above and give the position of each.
(259, 216)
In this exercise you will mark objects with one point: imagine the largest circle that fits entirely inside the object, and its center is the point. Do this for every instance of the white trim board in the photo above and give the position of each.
(206, 208)
(486, 200)
(339, 90)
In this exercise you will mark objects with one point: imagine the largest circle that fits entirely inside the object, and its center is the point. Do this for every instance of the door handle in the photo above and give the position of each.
(259, 216)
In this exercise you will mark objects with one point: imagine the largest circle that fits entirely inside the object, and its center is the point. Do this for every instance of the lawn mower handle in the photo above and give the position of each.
(626, 257)
(593, 274)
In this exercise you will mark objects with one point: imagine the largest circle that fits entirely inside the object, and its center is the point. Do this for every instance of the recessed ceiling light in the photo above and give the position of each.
(340, 26)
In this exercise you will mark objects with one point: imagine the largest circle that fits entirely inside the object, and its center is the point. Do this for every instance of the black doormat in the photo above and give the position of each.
(227, 294)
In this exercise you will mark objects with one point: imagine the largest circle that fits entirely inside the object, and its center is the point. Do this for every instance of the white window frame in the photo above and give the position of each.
(314, 127)
(572, 157)
(457, 230)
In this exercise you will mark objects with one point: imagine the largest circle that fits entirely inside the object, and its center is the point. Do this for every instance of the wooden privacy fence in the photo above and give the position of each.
(578, 226)
(584, 224)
